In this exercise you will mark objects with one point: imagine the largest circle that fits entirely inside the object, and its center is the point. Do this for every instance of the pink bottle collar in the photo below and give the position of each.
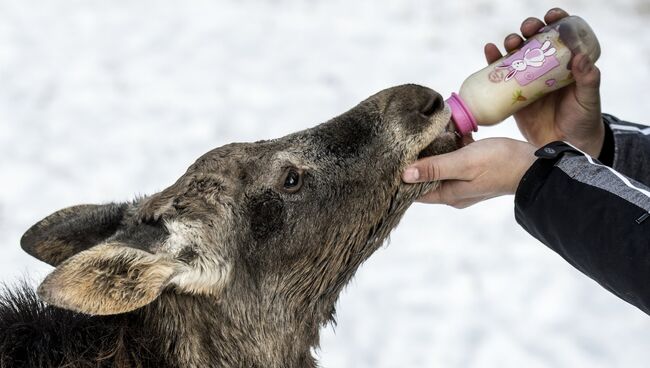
(460, 114)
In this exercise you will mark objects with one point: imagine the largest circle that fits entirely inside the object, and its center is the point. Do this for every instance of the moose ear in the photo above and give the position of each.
(72, 230)
(108, 279)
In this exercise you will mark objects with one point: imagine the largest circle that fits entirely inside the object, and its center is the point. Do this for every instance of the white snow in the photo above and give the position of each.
(100, 101)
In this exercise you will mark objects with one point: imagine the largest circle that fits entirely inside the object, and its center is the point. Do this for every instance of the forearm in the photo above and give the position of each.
(595, 219)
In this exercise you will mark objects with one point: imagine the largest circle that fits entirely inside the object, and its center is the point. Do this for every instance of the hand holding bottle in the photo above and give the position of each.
(493, 167)
(570, 114)
(481, 170)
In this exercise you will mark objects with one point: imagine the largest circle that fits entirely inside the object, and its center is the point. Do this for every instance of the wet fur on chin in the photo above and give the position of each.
(444, 143)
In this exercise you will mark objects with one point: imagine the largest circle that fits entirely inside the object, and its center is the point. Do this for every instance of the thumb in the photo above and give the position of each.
(587, 77)
(442, 167)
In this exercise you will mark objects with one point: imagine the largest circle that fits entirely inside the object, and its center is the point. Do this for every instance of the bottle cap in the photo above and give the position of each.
(460, 114)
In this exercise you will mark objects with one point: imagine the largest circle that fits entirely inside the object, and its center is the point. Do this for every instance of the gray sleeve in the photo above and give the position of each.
(631, 148)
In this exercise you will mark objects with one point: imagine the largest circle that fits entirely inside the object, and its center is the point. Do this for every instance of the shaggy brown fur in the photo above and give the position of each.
(237, 264)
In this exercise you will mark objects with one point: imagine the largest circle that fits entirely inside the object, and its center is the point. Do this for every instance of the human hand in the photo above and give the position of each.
(570, 114)
(481, 170)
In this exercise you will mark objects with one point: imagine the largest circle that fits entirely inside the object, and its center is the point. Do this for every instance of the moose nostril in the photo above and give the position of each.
(434, 103)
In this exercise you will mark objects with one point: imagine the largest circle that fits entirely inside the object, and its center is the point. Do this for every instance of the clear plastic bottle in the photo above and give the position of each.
(518, 79)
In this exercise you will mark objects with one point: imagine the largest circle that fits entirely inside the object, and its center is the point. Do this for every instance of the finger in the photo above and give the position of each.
(434, 196)
(587, 77)
(445, 193)
(464, 204)
(554, 15)
(453, 165)
(512, 42)
(492, 53)
(531, 26)
(467, 140)
(455, 193)
(458, 205)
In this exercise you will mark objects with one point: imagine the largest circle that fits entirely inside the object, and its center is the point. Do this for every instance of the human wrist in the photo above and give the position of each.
(520, 157)
(523, 157)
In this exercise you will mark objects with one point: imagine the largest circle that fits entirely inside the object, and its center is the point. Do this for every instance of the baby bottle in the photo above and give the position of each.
(518, 79)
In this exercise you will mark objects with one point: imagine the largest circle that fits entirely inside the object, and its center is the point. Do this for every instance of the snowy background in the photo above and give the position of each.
(102, 100)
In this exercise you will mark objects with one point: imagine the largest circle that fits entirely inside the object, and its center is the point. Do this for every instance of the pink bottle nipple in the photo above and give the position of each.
(462, 117)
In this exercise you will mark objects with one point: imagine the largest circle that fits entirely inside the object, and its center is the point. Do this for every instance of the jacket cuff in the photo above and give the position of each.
(606, 156)
(534, 179)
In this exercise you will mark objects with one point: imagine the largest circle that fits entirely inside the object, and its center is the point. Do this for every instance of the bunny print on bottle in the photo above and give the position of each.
(530, 62)
(522, 77)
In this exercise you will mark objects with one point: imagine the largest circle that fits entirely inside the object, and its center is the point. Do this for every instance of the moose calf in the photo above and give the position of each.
(239, 262)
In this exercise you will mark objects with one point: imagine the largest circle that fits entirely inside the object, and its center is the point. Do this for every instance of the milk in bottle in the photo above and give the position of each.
(540, 66)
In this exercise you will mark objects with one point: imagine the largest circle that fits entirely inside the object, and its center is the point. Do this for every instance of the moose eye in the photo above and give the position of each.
(292, 180)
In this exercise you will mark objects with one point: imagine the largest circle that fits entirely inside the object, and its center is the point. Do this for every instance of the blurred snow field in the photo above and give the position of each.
(101, 101)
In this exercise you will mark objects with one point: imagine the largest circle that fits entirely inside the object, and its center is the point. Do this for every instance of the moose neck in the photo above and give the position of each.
(240, 329)
(267, 318)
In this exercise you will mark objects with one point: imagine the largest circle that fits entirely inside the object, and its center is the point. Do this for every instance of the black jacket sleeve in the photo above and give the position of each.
(629, 147)
(591, 215)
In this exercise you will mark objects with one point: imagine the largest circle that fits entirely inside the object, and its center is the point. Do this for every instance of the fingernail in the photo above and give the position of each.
(411, 175)
(529, 20)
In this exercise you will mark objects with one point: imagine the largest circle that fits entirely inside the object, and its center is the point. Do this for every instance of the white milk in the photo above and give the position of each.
(518, 79)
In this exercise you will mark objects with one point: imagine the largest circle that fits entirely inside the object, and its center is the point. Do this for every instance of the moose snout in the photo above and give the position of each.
(432, 104)
(413, 109)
